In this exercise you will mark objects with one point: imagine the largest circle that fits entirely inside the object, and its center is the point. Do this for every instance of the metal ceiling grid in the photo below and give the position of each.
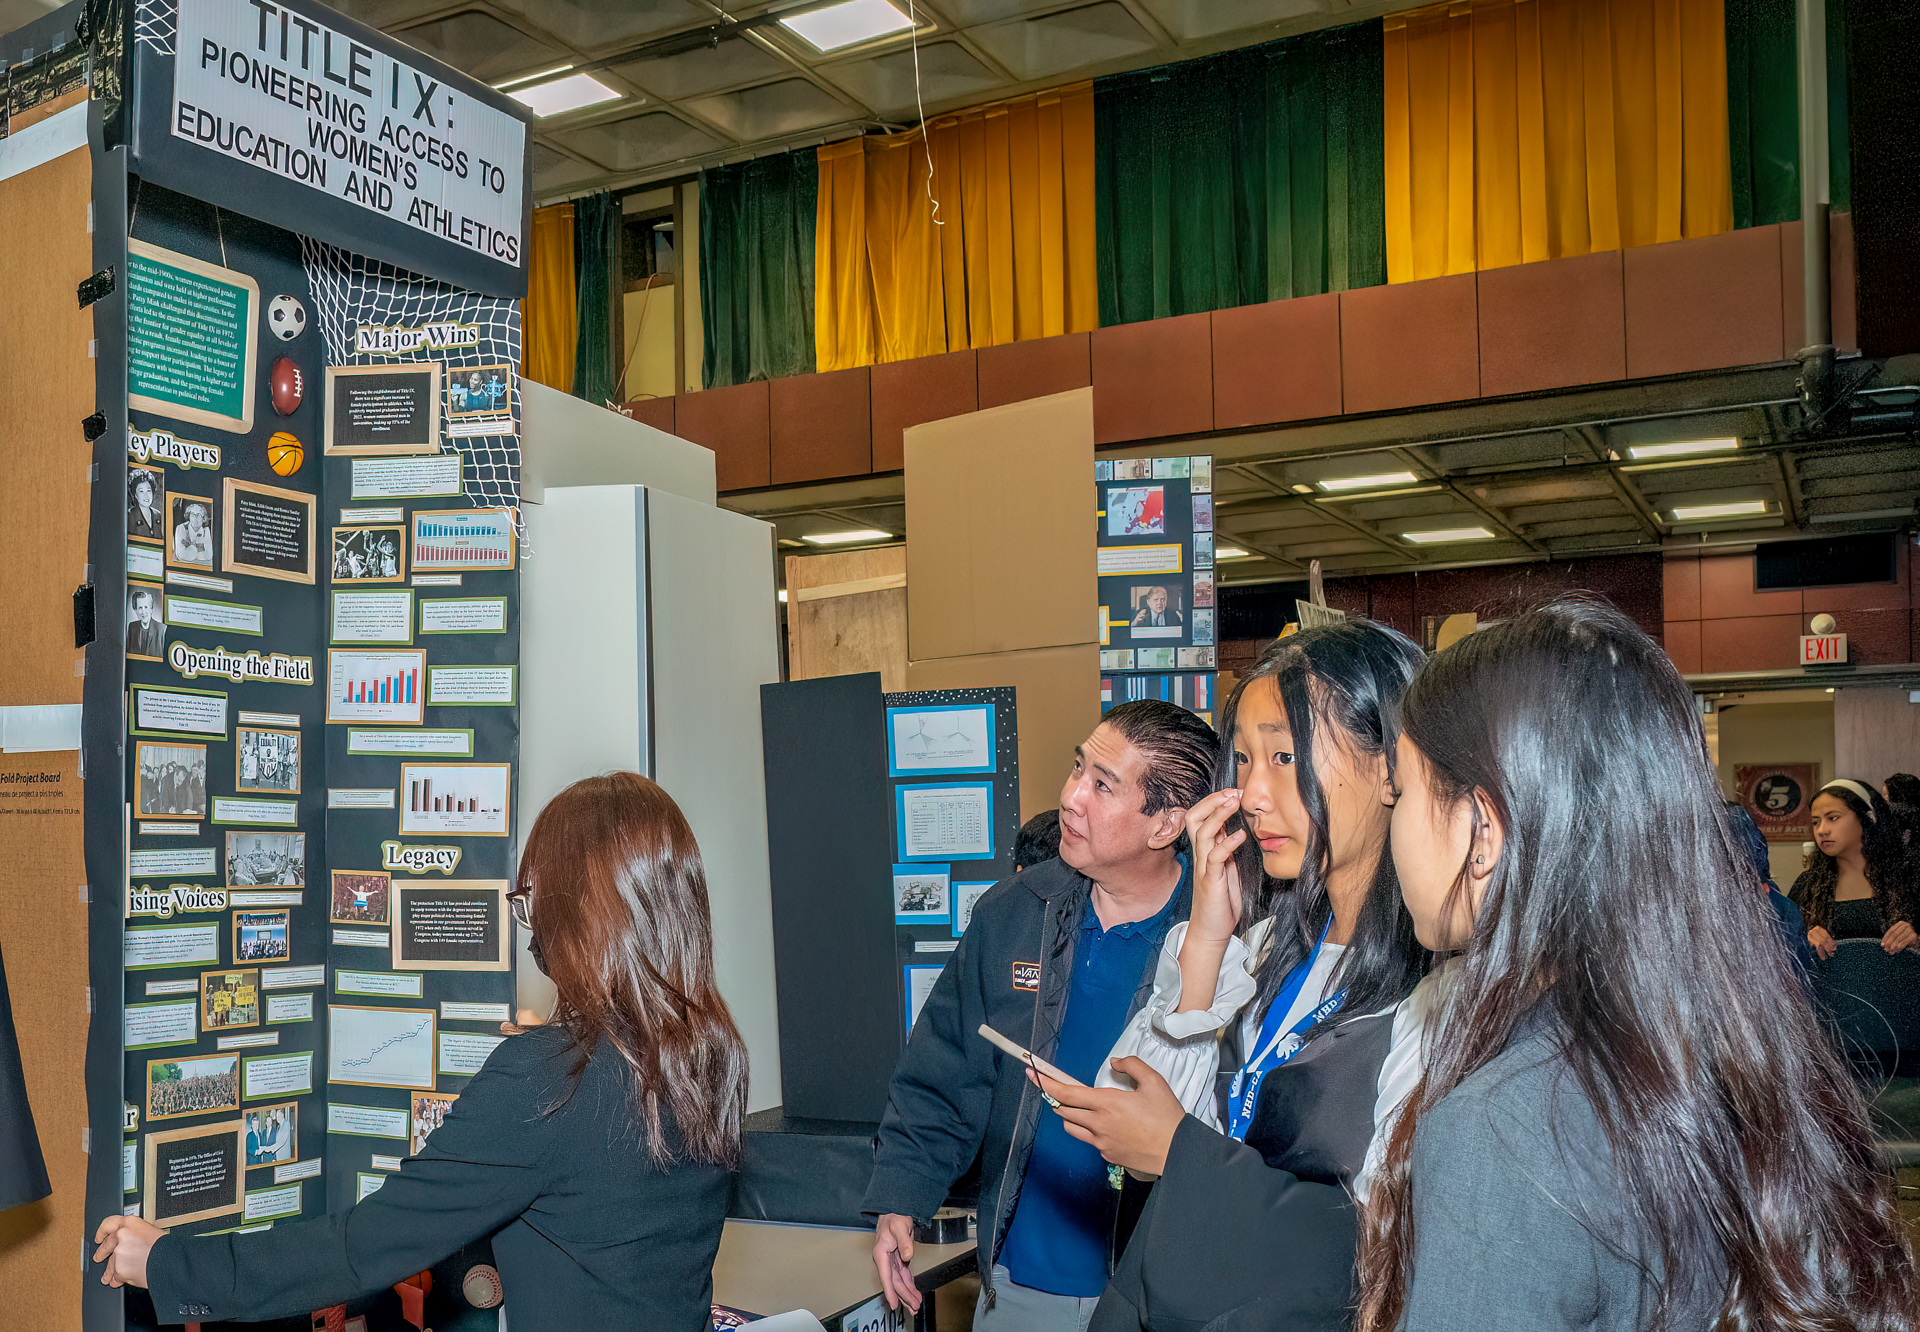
(699, 83)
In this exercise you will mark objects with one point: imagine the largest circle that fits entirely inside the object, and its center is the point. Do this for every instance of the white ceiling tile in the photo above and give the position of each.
(772, 109)
(386, 13)
(1190, 20)
(594, 24)
(482, 46)
(727, 65)
(638, 141)
(1073, 39)
(886, 83)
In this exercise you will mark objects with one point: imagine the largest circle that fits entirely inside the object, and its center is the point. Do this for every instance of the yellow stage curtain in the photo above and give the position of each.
(549, 325)
(1519, 130)
(1010, 256)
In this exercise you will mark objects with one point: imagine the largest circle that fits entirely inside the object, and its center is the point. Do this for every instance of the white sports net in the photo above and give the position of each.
(350, 290)
(155, 24)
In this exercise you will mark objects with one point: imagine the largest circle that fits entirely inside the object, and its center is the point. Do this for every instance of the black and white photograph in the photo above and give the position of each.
(146, 504)
(146, 622)
(172, 781)
(267, 761)
(190, 520)
(272, 859)
(369, 554)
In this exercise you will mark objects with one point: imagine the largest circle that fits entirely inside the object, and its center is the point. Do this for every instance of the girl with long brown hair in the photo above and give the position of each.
(595, 1150)
(1630, 1119)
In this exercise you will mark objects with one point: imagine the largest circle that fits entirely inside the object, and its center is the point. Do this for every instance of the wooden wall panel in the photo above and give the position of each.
(46, 390)
(847, 613)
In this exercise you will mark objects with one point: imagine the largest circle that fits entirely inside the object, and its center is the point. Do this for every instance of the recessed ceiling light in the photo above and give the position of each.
(846, 538)
(1231, 553)
(848, 23)
(1299, 489)
(1682, 448)
(1696, 513)
(1369, 482)
(1448, 534)
(562, 95)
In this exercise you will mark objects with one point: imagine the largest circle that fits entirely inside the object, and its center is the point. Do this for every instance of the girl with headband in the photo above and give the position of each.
(1859, 885)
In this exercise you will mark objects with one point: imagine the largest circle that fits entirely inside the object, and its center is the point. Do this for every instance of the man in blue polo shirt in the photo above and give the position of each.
(1058, 957)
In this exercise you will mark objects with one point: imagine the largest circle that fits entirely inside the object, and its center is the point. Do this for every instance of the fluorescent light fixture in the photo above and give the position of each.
(1445, 534)
(846, 538)
(1376, 482)
(1700, 513)
(1231, 553)
(1299, 489)
(562, 95)
(848, 23)
(783, 594)
(1681, 449)
(522, 80)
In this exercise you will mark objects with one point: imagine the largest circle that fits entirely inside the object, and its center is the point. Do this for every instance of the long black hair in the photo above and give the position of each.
(1620, 915)
(1882, 846)
(1349, 677)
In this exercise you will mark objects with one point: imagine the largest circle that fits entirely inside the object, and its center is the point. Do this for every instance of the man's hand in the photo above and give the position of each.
(1900, 938)
(1129, 1128)
(1823, 945)
(124, 1243)
(892, 1251)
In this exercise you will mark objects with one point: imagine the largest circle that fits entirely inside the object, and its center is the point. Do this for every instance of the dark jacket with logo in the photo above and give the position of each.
(954, 1096)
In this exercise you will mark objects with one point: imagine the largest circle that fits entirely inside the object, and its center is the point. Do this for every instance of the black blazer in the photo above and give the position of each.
(586, 1232)
(1260, 1236)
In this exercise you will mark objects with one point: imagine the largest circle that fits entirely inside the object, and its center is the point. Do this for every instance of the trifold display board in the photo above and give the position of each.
(888, 816)
(300, 608)
(1156, 563)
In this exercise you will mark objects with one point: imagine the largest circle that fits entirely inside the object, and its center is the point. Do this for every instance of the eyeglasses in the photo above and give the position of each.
(521, 905)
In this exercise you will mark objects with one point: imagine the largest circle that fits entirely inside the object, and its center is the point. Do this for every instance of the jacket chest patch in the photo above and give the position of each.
(1026, 975)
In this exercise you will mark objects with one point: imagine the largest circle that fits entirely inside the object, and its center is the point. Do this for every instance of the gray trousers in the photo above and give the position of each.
(1022, 1309)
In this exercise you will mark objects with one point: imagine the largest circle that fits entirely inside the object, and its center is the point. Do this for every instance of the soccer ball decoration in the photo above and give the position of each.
(285, 453)
(286, 317)
(286, 386)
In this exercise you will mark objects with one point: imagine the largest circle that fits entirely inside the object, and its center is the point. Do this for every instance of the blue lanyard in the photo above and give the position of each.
(1275, 1049)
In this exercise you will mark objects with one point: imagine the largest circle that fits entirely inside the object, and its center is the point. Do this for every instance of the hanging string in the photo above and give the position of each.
(926, 135)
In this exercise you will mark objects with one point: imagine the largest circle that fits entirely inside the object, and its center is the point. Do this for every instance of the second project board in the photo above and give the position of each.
(1157, 590)
(954, 773)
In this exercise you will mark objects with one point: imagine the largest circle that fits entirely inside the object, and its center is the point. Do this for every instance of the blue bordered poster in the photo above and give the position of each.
(944, 821)
(926, 740)
(921, 894)
(919, 984)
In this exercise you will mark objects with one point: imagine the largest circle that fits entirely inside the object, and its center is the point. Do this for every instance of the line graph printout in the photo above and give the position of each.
(380, 1047)
(940, 739)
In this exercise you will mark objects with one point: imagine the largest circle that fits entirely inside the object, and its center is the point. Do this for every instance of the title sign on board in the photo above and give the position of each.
(281, 88)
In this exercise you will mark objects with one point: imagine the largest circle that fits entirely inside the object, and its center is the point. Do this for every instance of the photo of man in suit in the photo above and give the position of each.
(1156, 610)
(146, 631)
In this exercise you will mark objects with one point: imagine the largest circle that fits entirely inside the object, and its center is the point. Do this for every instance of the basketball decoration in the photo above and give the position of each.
(286, 386)
(285, 453)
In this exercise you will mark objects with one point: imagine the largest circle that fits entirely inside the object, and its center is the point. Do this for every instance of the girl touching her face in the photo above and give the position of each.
(1630, 1119)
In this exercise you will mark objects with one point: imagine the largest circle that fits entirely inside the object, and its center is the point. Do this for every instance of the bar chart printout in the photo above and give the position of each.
(368, 686)
(454, 539)
(455, 799)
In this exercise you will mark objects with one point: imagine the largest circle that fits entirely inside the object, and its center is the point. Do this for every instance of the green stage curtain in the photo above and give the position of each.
(594, 220)
(1763, 110)
(756, 268)
(1251, 176)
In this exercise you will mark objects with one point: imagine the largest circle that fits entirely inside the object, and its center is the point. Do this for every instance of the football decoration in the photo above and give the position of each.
(285, 453)
(286, 317)
(286, 386)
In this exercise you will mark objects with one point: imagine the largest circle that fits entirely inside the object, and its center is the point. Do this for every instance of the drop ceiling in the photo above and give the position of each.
(699, 83)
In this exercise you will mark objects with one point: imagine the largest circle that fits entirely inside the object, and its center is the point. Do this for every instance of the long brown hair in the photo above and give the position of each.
(619, 905)
(1621, 917)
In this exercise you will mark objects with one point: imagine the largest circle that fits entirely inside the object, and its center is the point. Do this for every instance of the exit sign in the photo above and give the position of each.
(1823, 649)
